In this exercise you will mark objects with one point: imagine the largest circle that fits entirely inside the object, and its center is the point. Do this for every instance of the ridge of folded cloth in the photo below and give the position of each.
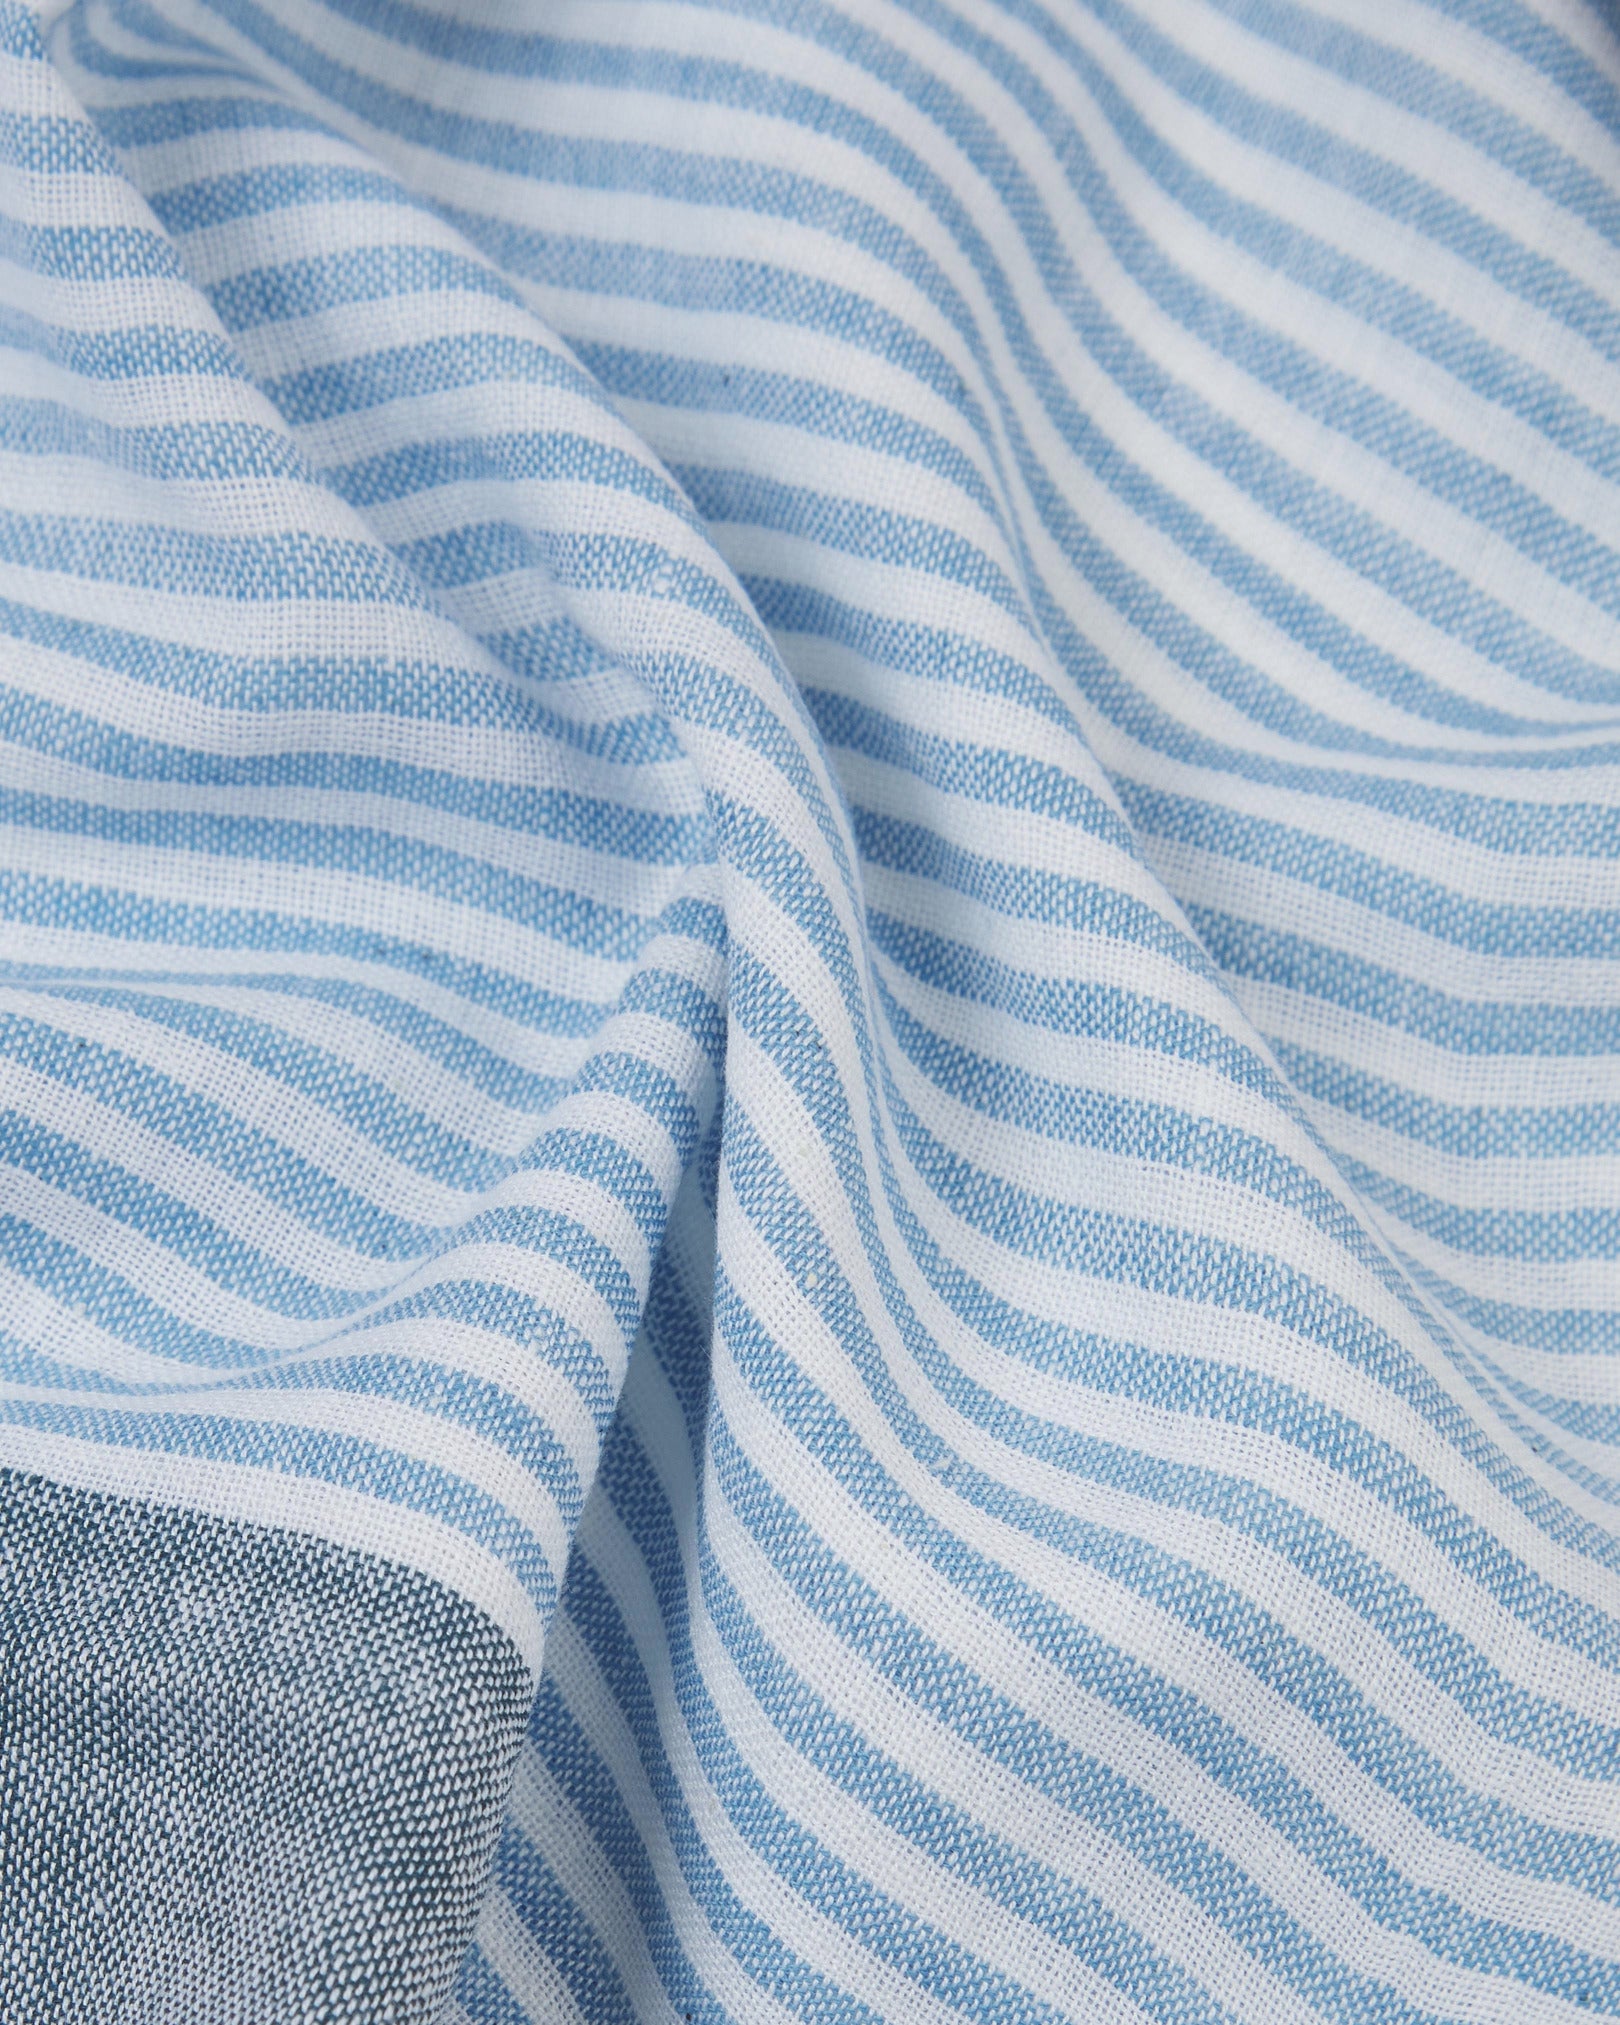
(809, 1012)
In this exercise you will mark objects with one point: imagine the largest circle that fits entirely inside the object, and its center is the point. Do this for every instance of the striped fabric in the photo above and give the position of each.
(809, 1012)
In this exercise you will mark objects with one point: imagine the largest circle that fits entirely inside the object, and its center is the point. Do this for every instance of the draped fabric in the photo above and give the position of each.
(809, 1012)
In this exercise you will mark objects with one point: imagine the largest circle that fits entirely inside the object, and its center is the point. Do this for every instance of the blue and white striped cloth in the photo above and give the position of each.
(809, 1012)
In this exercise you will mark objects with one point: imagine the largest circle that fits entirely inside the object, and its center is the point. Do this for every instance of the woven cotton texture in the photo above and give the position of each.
(809, 1012)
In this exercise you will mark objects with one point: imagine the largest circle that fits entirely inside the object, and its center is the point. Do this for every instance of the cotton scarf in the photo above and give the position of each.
(809, 1012)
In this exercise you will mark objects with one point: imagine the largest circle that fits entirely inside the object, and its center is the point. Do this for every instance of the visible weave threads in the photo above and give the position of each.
(243, 1774)
(808, 994)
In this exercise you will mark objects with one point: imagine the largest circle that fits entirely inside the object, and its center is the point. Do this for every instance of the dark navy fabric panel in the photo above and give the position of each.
(246, 1778)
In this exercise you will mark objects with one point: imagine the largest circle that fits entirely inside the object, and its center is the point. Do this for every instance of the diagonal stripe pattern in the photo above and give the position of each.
(810, 865)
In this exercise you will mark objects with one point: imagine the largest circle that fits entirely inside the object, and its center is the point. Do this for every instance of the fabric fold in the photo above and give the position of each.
(807, 1014)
